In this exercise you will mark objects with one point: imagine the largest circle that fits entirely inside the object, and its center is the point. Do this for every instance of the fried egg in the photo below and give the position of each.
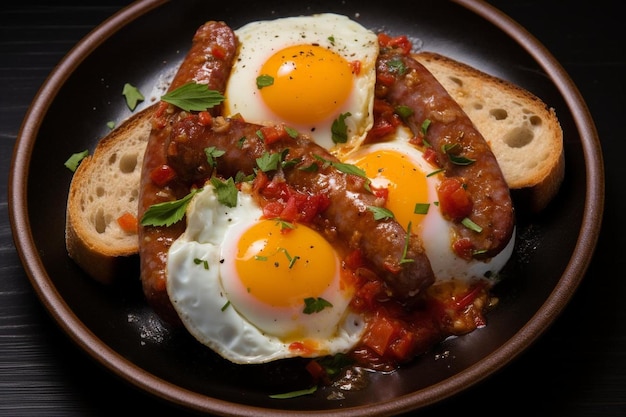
(254, 290)
(412, 182)
(306, 72)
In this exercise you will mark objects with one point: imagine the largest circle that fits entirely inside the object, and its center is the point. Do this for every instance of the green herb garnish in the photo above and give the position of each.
(294, 394)
(212, 153)
(467, 222)
(339, 129)
(167, 213)
(404, 259)
(315, 305)
(264, 81)
(74, 160)
(381, 213)
(132, 95)
(193, 97)
(421, 208)
(226, 191)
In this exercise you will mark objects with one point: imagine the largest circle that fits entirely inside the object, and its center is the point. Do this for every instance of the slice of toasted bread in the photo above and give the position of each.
(522, 131)
(105, 187)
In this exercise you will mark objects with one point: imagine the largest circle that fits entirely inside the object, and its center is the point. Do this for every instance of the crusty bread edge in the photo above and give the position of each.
(101, 262)
(535, 195)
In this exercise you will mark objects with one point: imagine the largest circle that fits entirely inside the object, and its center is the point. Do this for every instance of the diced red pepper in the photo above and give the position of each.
(401, 42)
(272, 209)
(454, 200)
(430, 156)
(205, 118)
(218, 51)
(128, 222)
(379, 335)
(463, 247)
(356, 67)
(317, 371)
(273, 133)
(162, 175)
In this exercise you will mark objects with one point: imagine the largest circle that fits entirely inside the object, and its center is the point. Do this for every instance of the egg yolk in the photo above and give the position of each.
(405, 182)
(282, 268)
(310, 83)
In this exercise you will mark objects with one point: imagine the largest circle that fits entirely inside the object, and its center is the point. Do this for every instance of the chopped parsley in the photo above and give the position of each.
(167, 213)
(339, 129)
(133, 96)
(264, 81)
(193, 97)
(315, 305)
(75, 159)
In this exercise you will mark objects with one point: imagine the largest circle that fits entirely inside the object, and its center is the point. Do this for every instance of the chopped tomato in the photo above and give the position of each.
(398, 42)
(218, 51)
(454, 200)
(380, 335)
(205, 118)
(430, 156)
(356, 67)
(271, 134)
(463, 247)
(272, 209)
(403, 346)
(354, 259)
(162, 175)
(128, 222)
(317, 371)
(301, 347)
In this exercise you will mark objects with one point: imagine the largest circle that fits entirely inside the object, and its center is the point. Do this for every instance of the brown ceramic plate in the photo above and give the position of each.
(118, 330)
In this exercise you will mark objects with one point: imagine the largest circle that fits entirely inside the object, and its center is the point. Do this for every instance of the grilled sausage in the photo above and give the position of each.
(208, 62)
(470, 166)
(401, 263)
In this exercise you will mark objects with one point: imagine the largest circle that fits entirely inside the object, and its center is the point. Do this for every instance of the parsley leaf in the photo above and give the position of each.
(264, 81)
(421, 208)
(404, 259)
(167, 213)
(226, 191)
(269, 161)
(315, 305)
(132, 95)
(212, 153)
(339, 130)
(467, 222)
(380, 213)
(294, 394)
(346, 169)
(193, 97)
(74, 160)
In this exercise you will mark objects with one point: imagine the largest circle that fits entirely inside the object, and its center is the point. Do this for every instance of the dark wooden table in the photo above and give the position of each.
(578, 368)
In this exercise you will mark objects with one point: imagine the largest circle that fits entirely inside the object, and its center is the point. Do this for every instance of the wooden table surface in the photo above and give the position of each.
(577, 368)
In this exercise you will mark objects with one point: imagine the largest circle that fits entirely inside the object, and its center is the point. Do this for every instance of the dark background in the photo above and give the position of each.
(577, 368)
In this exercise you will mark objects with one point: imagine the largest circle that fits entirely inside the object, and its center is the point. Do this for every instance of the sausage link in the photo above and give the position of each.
(158, 183)
(408, 83)
(348, 216)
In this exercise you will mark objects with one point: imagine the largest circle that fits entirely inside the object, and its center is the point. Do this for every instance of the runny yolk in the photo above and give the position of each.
(310, 83)
(405, 182)
(281, 269)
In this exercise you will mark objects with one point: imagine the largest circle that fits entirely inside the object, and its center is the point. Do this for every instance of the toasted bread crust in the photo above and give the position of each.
(103, 188)
(521, 130)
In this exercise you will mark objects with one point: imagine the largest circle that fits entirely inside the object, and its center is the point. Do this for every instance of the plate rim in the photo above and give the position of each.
(126, 370)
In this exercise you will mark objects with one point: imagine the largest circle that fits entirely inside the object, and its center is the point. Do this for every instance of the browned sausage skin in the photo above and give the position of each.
(398, 257)
(208, 62)
(402, 81)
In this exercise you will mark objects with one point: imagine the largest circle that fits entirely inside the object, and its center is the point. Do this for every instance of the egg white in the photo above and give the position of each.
(261, 39)
(195, 285)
